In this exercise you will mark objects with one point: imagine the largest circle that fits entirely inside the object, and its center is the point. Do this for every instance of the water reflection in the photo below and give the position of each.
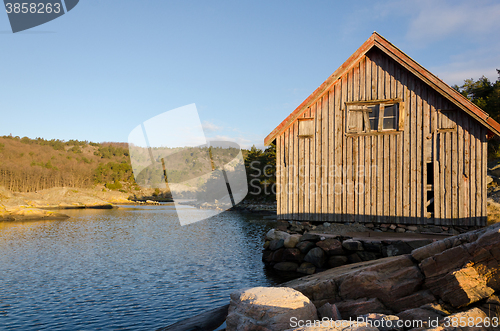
(128, 268)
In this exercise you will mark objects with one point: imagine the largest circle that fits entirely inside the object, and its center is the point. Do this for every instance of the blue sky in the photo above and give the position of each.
(107, 66)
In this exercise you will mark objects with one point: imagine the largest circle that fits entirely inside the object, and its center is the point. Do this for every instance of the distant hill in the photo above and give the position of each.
(30, 165)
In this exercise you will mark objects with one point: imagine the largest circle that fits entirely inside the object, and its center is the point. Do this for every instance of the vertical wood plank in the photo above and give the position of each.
(405, 190)
(288, 187)
(472, 172)
(349, 155)
(319, 108)
(331, 151)
(460, 170)
(295, 201)
(344, 163)
(413, 150)
(307, 166)
(484, 161)
(324, 158)
(339, 144)
(435, 160)
(368, 144)
(478, 171)
(278, 176)
(380, 144)
(427, 148)
(312, 169)
(454, 173)
(419, 140)
(399, 151)
(301, 163)
(466, 170)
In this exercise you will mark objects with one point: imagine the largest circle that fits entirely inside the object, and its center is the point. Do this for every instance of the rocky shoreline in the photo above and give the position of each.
(46, 204)
(448, 285)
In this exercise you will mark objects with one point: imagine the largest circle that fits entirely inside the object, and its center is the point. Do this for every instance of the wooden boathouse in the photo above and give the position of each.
(383, 140)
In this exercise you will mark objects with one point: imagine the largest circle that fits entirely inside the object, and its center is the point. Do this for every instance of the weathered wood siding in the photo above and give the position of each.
(333, 176)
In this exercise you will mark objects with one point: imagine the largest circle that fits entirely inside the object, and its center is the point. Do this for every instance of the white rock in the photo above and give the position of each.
(268, 308)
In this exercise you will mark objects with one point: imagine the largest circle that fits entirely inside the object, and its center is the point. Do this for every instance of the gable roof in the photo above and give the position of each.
(408, 63)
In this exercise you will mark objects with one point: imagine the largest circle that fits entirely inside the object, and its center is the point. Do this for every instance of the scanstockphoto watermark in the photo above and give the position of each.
(170, 152)
(25, 14)
(334, 179)
(362, 322)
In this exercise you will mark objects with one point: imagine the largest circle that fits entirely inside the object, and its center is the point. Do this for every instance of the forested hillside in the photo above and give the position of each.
(29, 165)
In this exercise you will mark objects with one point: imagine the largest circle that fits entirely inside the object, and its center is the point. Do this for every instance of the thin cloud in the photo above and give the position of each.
(210, 127)
(470, 64)
(439, 19)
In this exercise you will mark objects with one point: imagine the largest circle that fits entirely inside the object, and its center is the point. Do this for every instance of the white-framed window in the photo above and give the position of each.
(365, 117)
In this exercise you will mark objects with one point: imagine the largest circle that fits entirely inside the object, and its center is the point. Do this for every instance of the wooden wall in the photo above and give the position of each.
(381, 178)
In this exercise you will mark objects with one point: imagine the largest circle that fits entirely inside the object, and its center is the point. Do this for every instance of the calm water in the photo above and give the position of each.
(124, 269)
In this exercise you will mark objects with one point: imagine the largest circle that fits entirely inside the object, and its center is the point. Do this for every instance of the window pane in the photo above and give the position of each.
(373, 112)
(373, 117)
(390, 123)
(390, 111)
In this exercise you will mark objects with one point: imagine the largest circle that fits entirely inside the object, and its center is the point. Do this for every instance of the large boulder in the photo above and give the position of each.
(267, 308)
(292, 241)
(388, 279)
(464, 269)
(331, 246)
(277, 235)
(316, 256)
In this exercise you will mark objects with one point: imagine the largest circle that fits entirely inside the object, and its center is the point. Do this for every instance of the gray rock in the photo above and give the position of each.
(292, 241)
(331, 246)
(278, 255)
(276, 235)
(316, 256)
(306, 268)
(337, 261)
(354, 258)
(373, 246)
(396, 248)
(354, 308)
(352, 245)
(305, 246)
(329, 311)
(276, 244)
(366, 256)
(292, 255)
(310, 237)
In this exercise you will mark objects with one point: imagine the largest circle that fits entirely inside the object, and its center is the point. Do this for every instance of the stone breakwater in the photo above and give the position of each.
(336, 228)
(310, 253)
(451, 284)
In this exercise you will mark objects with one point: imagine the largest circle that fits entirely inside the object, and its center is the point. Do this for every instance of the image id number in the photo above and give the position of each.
(33, 8)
